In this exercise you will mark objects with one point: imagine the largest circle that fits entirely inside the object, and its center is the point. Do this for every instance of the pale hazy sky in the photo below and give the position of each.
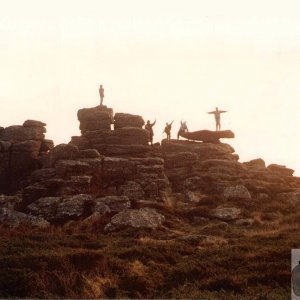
(161, 59)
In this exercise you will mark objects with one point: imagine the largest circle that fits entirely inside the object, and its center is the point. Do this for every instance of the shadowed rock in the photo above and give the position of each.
(128, 120)
(95, 118)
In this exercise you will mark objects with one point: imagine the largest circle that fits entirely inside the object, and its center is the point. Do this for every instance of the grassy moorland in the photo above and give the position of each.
(79, 261)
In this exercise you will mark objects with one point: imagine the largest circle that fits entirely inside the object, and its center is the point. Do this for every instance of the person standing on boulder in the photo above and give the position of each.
(168, 129)
(101, 93)
(217, 114)
(149, 128)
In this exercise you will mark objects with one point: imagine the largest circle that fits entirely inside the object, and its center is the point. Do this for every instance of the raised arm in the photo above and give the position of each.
(222, 111)
(211, 112)
(153, 123)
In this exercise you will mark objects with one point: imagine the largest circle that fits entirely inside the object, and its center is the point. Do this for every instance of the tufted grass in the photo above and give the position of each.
(79, 261)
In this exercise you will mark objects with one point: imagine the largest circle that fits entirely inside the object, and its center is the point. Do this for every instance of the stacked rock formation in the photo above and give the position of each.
(106, 174)
(196, 169)
(100, 173)
(21, 148)
(127, 139)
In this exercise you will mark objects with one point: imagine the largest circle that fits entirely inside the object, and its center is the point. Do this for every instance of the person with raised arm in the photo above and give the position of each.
(149, 128)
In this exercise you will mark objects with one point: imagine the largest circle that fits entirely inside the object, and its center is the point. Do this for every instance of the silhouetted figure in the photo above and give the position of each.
(168, 129)
(149, 128)
(183, 128)
(101, 93)
(217, 114)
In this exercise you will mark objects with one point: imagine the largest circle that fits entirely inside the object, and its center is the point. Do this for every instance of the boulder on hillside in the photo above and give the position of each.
(73, 207)
(279, 169)
(45, 207)
(226, 213)
(10, 202)
(13, 219)
(128, 120)
(136, 218)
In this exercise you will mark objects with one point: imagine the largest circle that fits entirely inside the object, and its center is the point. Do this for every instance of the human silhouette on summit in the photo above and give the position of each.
(101, 93)
(217, 114)
(168, 129)
(183, 128)
(149, 128)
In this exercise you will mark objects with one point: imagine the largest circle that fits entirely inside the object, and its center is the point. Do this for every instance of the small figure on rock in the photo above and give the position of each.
(149, 128)
(168, 129)
(183, 128)
(217, 114)
(101, 93)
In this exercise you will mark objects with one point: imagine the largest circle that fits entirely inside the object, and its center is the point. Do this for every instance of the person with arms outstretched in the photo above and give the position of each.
(168, 129)
(217, 114)
(101, 93)
(149, 128)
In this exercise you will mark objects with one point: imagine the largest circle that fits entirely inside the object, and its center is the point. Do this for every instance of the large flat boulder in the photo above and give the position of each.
(136, 218)
(207, 136)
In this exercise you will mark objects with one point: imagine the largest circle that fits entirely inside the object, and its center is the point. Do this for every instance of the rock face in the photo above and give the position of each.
(21, 150)
(141, 218)
(96, 118)
(237, 192)
(128, 120)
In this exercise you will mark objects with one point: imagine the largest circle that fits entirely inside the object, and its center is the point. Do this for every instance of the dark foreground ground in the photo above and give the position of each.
(79, 261)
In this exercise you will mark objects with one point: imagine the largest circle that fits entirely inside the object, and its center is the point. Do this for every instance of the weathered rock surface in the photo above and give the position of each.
(207, 135)
(237, 192)
(136, 218)
(13, 219)
(21, 151)
(115, 204)
(226, 213)
(73, 207)
(128, 120)
(122, 136)
(45, 207)
(280, 169)
(95, 118)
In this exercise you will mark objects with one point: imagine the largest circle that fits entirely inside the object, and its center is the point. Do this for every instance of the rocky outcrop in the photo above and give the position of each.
(21, 151)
